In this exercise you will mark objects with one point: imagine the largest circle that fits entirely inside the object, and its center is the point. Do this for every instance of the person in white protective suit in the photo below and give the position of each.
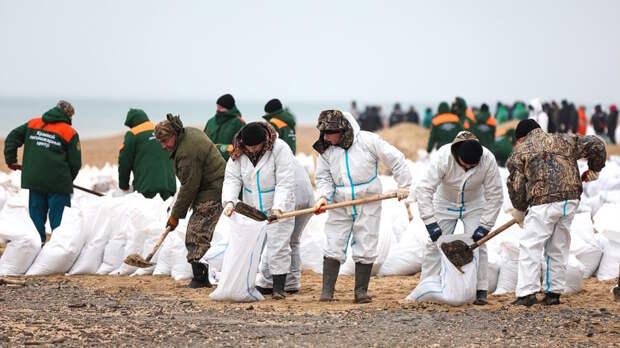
(347, 168)
(537, 114)
(272, 181)
(462, 183)
(544, 181)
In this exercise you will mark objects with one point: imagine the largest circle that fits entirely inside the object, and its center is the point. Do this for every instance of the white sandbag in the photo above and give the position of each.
(240, 264)
(405, 257)
(98, 221)
(114, 251)
(312, 244)
(164, 257)
(606, 218)
(493, 276)
(450, 286)
(63, 248)
(214, 257)
(610, 262)
(3, 197)
(509, 269)
(180, 269)
(17, 228)
(593, 203)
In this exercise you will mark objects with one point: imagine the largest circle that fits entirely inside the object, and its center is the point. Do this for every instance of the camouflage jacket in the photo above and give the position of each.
(543, 168)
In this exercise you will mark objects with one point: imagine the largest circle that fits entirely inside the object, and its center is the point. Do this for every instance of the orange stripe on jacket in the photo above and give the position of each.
(63, 130)
(445, 118)
(278, 123)
(143, 127)
(491, 121)
(470, 115)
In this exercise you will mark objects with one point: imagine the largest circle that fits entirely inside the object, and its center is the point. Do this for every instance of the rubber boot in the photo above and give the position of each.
(278, 286)
(201, 276)
(264, 291)
(362, 278)
(616, 291)
(527, 301)
(481, 298)
(550, 299)
(331, 267)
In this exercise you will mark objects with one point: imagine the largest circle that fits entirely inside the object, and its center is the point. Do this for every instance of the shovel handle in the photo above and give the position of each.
(161, 240)
(499, 230)
(340, 205)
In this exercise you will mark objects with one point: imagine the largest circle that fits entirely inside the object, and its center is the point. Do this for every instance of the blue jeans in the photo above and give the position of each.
(40, 203)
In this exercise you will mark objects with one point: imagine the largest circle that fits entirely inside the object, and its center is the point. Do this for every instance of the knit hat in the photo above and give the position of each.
(470, 151)
(66, 107)
(168, 128)
(273, 105)
(226, 101)
(525, 127)
(252, 134)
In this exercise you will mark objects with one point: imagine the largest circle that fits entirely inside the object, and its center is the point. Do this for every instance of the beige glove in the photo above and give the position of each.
(319, 206)
(228, 209)
(402, 193)
(274, 214)
(518, 215)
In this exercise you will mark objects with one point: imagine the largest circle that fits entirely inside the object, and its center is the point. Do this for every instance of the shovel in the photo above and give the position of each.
(19, 167)
(460, 254)
(255, 214)
(137, 260)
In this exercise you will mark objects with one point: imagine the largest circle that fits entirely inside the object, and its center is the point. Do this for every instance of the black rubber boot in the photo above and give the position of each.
(362, 278)
(264, 291)
(331, 267)
(616, 291)
(481, 297)
(201, 276)
(527, 301)
(278, 286)
(550, 299)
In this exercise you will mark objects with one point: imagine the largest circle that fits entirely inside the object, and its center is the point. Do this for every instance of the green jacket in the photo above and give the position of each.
(221, 129)
(200, 168)
(503, 147)
(284, 123)
(484, 129)
(520, 112)
(502, 114)
(52, 154)
(444, 128)
(142, 154)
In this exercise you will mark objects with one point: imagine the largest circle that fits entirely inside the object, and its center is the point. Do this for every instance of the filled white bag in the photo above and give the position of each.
(63, 248)
(241, 259)
(3, 197)
(450, 286)
(114, 251)
(214, 258)
(312, 244)
(24, 242)
(509, 269)
(493, 276)
(406, 256)
(164, 256)
(610, 262)
(573, 278)
(180, 269)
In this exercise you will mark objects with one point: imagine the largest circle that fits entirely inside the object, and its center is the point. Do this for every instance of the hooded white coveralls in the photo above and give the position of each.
(449, 193)
(547, 232)
(539, 115)
(352, 174)
(277, 182)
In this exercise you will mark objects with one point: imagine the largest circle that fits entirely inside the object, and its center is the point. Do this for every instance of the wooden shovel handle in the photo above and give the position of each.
(161, 240)
(19, 167)
(340, 205)
(499, 230)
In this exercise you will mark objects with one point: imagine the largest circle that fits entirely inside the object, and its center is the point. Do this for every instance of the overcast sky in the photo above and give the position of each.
(312, 50)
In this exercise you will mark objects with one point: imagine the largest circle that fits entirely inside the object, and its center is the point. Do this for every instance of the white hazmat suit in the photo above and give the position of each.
(538, 115)
(449, 193)
(351, 174)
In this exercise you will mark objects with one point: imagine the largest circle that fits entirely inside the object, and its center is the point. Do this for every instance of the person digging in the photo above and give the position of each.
(200, 167)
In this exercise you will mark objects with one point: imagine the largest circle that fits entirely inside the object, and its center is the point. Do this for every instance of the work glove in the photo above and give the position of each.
(228, 208)
(225, 148)
(274, 214)
(319, 207)
(434, 231)
(479, 233)
(15, 166)
(402, 193)
(589, 175)
(518, 215)
(172, 223)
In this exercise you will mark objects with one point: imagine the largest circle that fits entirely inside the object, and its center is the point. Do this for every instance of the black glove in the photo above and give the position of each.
(434, 231)
(479, 233)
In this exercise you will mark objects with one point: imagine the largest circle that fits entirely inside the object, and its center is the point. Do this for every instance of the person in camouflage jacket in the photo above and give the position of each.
(544, 180)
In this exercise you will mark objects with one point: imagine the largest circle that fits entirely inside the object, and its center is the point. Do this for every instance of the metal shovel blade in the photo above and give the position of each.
(249, 211)
(137, 261)
(458, 252)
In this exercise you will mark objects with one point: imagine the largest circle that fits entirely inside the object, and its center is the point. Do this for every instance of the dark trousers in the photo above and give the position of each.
(42, 203)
